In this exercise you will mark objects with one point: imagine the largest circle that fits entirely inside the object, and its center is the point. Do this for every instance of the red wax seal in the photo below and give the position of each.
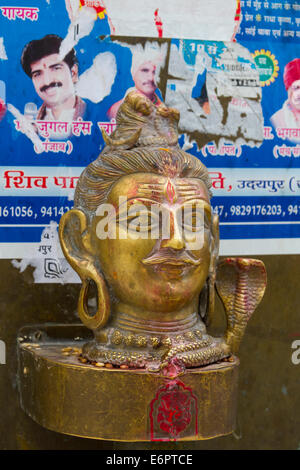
(173, 413)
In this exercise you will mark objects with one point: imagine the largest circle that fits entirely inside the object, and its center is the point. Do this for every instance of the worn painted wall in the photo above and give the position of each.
(269, 400)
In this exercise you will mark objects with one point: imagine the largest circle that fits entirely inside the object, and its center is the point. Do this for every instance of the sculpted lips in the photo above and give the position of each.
(171, 257)
(170, 264)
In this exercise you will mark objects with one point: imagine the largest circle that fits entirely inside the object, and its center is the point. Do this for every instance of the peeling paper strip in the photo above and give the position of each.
(230, 77)
(80, 27)
(194, 19)
(26, 127)
(48, 261)
(3, 55)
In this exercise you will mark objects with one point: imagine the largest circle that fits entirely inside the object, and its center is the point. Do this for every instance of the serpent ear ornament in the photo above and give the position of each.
(240, 283)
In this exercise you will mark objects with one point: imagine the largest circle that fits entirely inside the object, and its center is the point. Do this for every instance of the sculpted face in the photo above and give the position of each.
(53, 80)
(294, 95)
(144, 79)
(162, 273)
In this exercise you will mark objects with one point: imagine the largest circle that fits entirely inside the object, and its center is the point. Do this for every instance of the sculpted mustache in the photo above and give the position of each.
(166, 256)
(51, 85)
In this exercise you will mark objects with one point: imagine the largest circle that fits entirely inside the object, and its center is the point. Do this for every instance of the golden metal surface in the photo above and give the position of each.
(138, 380)
(148, 287)
(64, 395)
(266, 416)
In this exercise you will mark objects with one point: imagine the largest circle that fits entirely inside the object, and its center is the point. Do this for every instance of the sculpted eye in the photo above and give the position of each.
(141, 222)
(194, 219)
(138, 220)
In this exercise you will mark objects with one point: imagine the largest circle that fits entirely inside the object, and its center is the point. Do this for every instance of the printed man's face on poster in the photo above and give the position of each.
(294, 95)
(144, 78)
(53, 80)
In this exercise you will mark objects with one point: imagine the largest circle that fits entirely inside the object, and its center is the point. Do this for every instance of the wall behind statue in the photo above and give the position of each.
(268, 401)
(227, 76)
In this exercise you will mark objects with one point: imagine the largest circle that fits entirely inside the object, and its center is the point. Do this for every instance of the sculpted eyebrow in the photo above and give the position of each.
(149, 186)
(196, 200)
(191, 202)
(187, 189)
(155, 189)
(141, 200)
(135, 201)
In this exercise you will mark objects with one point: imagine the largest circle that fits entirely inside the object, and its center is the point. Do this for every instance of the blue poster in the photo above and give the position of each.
(62, 82)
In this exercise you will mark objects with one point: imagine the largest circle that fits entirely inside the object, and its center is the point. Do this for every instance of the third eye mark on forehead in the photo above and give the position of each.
(158, 190)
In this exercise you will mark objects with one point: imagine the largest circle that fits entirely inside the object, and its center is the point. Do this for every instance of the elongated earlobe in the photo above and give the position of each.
(101, 316)
(213, 264)
(207, 296)
(74, 239)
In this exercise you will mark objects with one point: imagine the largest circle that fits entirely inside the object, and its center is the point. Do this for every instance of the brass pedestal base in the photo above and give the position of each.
(64, 395)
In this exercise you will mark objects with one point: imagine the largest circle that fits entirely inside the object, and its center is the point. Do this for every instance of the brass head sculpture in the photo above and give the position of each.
(138, 210)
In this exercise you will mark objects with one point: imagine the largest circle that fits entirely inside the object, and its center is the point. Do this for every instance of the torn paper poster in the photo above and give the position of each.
(148, 62)
(80, 27)
(216, 88)
(153, 52)
(96, 9)
(26, 126)
(96, 82)
(49, 262)
(197, 19)
(237, 19)
(215, 85)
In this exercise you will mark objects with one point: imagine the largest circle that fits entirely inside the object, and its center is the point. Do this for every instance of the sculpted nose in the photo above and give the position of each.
(175, 241)
(175, 244)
